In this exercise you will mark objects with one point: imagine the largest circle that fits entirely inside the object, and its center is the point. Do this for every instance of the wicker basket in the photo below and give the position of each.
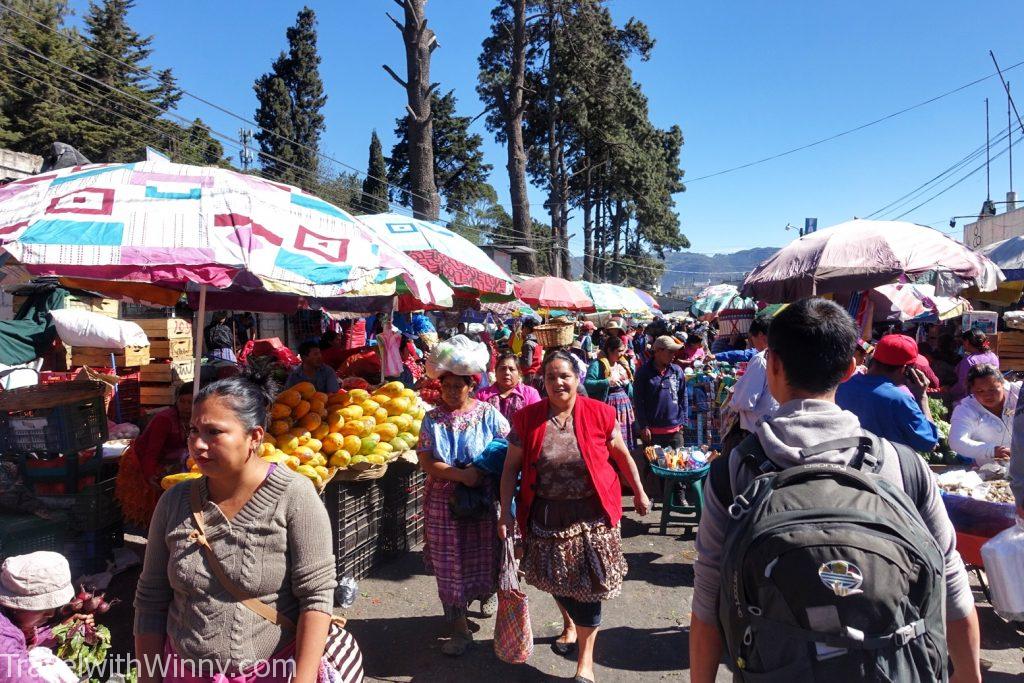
(349, 474)
(554, 334)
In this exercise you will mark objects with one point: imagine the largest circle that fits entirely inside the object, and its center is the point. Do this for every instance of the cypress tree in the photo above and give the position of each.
(291, 97)
(374, 198)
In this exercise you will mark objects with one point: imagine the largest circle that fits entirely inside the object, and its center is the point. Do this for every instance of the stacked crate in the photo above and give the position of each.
(1009, 346)
(402, 520)
(170, 347)
(354, 509)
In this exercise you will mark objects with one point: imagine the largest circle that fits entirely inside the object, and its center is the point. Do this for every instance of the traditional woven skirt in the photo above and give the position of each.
(462, 554)
(624, 415)
(582, 560)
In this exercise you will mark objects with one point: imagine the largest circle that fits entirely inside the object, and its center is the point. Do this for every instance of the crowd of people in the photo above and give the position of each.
(533, 450)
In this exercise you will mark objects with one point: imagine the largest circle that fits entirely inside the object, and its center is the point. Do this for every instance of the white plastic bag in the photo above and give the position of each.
(1003, 556)
(459, 355)
(85, 328)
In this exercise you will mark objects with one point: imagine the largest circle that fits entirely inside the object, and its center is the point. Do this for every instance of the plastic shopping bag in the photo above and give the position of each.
(459, 355)
(513, 634)
(1004, 565)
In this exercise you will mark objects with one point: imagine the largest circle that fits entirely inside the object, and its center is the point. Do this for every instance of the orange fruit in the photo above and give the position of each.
(305, 389)
(380, 415)
(322, 431)
(387, 431)
(278, 427)
(311, 421)
(290, 398)
(351, 444)
(300, 410)
(338, 398)
(332, 443)
(279, 411)
(314, 445)
(319, 396)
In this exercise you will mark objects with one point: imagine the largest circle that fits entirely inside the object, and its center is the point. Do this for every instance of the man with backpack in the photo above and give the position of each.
(824, 552)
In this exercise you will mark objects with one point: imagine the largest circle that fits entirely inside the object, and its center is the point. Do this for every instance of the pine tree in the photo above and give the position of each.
(126, 109)
(459, 168)
(374, 197)
(291, 97)
(37, 103)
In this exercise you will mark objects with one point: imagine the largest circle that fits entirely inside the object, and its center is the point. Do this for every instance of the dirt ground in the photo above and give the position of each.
(398, 624)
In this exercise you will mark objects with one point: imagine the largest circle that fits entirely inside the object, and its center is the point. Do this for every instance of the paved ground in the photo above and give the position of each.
(397, 621)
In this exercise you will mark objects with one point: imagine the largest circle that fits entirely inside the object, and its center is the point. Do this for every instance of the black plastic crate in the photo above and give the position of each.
(346, 499)
(358, 562)
(21, 534)
(65, 428)
(94, 508)
(89, 551)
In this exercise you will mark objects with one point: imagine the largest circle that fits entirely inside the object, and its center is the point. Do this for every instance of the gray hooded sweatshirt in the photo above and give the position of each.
(805, 424)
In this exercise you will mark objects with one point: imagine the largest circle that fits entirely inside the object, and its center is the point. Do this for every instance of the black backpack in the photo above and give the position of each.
(828, 572)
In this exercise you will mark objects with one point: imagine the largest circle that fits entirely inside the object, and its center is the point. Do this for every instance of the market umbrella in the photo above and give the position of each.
(554, 292)
(509, 309)
(714, 299)
(171, 224)
(613, 298)
(651, 302)
(1008, 254)
(461, 263)
(907, 302)
(862, 254)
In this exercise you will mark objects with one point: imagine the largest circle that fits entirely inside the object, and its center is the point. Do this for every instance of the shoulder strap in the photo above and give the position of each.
(752, 457)
(915, 484)
(199, 536)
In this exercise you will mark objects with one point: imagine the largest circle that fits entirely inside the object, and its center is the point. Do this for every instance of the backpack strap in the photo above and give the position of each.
(915, 484)
(752, 457)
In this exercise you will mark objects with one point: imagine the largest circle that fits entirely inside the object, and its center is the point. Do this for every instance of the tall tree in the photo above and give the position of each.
(420, 43)
(459, 168)
(36, 102)
(291, 97)
(502, 86)
(128, 106)
(374, 198)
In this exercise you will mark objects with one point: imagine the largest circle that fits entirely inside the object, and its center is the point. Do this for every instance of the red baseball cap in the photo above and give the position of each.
(896, 349)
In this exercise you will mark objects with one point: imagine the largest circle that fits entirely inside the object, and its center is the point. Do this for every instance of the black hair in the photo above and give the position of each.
(508, 355)
(327, 339)
(307, 346)
(183, 389)
(976, 338)
(469, 380)
(695, 339)
(249, 394)
(529, 323)
(888, 369)
(981, 371)
(612, 344)
(814, 339)
(557, 354)
(760, 326)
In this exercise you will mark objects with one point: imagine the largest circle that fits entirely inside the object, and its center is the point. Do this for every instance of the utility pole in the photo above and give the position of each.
(988, 159)
(1009, 131)
(245, 156)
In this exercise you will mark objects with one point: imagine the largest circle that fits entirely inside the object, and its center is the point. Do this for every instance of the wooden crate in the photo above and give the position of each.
(174, 349)
(156, 394)
(100, 358)
(175, 371)
(165, 328)
(108, 307)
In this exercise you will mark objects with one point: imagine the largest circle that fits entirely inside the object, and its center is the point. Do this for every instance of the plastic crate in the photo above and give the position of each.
(354, 509)
(21, 534)
(94, 508)
(67, 428)
(360, 561)
(61, 475)
(90, 551)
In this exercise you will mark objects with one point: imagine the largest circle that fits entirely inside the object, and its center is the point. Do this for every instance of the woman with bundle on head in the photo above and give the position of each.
(461, 544)
(570, 503)
(977, 350)
(239, 567)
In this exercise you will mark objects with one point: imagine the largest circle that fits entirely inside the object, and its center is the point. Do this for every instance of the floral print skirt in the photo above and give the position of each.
(582, 561)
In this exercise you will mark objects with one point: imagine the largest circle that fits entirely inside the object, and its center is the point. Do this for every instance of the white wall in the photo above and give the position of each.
(994, 228)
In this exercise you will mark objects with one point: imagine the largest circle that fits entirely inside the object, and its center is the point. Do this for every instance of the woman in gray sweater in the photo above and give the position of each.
(271, 535)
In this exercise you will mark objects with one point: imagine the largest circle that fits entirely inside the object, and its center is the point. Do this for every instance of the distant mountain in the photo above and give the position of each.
(688, 269)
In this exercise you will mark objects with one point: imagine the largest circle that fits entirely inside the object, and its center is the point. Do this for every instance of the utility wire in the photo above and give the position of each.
(850, 130)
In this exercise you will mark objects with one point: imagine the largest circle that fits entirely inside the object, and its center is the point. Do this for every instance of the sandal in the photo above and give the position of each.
(489, 606)
(457, 645)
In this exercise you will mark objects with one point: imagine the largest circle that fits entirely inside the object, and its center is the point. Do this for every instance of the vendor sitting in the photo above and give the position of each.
(982, 425)
(32, 588)
(160, 449)
(312, 369)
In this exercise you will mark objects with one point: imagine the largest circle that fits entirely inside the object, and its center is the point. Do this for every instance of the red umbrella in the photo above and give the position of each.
(554, 292)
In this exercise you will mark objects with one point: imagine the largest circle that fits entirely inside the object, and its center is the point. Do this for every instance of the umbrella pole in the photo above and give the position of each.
(197, 362)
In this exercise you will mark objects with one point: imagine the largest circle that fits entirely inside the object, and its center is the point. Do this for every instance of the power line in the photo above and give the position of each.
(851, 130)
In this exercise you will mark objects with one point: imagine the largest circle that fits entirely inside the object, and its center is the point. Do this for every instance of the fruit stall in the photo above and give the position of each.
(357, 447)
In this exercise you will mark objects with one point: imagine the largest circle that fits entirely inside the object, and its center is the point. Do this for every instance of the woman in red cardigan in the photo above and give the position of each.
(570, 503)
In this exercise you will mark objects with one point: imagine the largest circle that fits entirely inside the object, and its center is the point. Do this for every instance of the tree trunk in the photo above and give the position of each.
(522, 224)
(563, 222)
(616, 242)
(554, 186)
(420, 42)
(588, 228)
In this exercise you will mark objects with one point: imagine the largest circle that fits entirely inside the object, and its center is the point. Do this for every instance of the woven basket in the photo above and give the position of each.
(554, 334)
(349, 474)
(50, 395)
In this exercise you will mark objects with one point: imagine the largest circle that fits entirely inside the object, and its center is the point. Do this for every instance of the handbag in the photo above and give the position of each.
(341, 653)
(513, 634)
(471, 503)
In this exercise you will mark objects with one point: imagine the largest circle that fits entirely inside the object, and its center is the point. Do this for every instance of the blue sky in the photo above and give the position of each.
(744, 80)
